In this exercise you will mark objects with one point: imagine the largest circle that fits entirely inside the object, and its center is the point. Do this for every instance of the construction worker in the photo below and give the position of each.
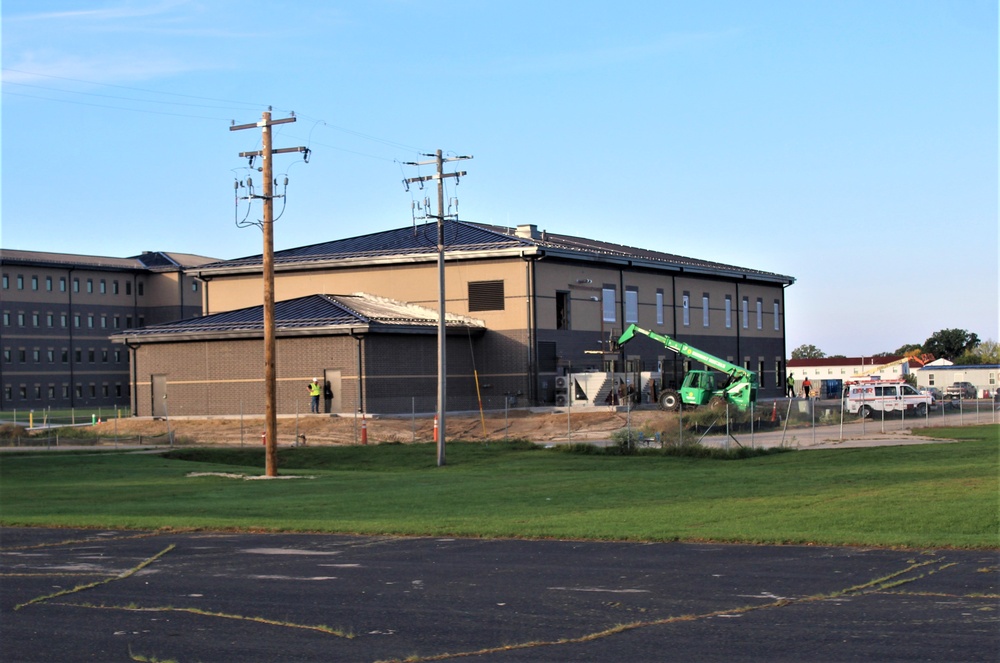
(314, 391)
(790, 385)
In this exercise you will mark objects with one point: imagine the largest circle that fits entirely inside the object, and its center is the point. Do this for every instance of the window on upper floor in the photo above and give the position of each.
(631, 304)
(483, 295)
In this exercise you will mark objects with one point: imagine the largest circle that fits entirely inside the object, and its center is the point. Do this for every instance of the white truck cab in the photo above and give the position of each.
(869, 396)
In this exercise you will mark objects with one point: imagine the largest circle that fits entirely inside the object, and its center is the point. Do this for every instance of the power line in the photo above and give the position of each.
(110, 96)
(136, 89)
(124, 108)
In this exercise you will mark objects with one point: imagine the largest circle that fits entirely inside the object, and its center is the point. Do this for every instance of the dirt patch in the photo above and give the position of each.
(582, 424)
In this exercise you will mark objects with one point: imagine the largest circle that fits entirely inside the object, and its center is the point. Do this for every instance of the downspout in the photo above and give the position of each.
(784, 339)
(69, 322)
(531, 313)
(739, 326)
(621, 313)
(673, 314)
(360, 391)
(134, 387)
(205, 309)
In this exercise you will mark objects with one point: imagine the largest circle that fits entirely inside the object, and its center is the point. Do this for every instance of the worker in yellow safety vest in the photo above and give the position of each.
(314, 391)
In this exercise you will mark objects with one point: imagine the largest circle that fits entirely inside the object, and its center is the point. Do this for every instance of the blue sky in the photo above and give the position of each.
(814, 139)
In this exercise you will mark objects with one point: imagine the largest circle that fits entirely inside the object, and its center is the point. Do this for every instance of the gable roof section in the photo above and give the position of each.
(153, 261)
(309, 315)
(466, 240)
(401, 243)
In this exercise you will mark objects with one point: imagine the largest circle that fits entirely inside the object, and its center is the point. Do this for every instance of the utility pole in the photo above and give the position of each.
(267, 226)
(442, 363)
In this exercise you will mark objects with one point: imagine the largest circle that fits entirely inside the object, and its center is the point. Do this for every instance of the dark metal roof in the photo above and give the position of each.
(415, 240)
(149, 261)
(315, 313)
(462, 237)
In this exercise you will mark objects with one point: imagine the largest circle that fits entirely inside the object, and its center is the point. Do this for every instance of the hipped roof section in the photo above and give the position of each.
(466, 240)
(358, 313)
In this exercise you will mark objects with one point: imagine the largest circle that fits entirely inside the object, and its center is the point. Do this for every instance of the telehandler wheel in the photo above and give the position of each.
(865, 412)
(717, 403)
(670, 401)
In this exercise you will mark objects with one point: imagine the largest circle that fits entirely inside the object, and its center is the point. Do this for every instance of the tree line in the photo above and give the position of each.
(956, 345)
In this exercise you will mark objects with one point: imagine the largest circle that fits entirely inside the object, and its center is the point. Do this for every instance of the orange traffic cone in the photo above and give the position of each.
(364, 430)
(774, 411)
(435, 429)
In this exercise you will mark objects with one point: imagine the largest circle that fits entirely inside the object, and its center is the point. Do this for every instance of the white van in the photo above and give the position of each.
(865, 398)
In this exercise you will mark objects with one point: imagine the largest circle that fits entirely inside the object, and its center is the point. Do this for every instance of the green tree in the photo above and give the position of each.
(950, 343)
(807, 352)
(987, 352)
(907, 348)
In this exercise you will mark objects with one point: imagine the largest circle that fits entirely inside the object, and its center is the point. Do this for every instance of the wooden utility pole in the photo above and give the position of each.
(442, 366)
(267, 226)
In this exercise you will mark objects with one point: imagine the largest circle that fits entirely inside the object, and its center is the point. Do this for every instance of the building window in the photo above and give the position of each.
(104, 390)
(48, 283)
(562, 309)
(930, 379)
(78, 356)
(6, 355)
(104, 356)
(50, 355)
(631, 304)
(104, 322)
(729, 312)
(23, 393)
(62, 284)
(93, 390)
(22, 356)
(116, 322)
(128, 322)
(760, 313)
(34, 283)
(777, 316)
(194, 286)
(761, 373)
(52, 391)
(704, 310)
(118, 389)
(36, 355)
(90, 356)
(6, 319)
(6, 281)
(20, 282)
(49, 319)
(8, 392)
(128, 287)
(102, 287)
(142, 321)
(746, 314)
(90, 285)
(65, 391)
(79, 391)
(62, 319)
(659, 307)
(686, 309)
(34, 319)
(118, 356)
(608, 304)
(483, 295)
(114, 287)
(90, 320)
(139, 288)
(65, 356)
(76, 284)
(20, 319)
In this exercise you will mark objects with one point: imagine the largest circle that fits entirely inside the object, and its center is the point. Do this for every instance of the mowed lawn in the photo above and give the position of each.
(934, 495)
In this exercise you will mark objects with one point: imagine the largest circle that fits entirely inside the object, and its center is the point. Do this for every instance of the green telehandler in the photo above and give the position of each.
(700, 387)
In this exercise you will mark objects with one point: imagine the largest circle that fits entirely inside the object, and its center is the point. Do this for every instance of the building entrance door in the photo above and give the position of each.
(159, 395)
(332, 391)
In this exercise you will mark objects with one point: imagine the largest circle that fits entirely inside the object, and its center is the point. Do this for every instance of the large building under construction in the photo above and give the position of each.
(526, 308)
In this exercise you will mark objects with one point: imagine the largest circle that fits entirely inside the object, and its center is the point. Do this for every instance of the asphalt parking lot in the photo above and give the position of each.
(82, 595)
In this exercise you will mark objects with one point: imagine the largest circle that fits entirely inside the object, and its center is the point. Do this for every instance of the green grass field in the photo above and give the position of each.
(935, 495)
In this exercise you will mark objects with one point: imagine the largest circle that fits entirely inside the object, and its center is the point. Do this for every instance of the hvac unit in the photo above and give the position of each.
(560, 400)
(561, 382)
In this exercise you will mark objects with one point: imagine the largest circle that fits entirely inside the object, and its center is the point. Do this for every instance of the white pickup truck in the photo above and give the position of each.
(868, 397)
